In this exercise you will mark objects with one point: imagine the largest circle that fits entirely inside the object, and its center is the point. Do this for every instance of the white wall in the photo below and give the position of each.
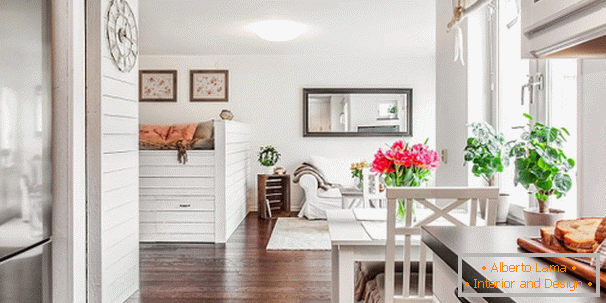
(592, 139)
(266, 92)
(112, 166)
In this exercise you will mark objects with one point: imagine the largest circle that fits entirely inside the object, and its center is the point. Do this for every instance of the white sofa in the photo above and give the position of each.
(317, 200)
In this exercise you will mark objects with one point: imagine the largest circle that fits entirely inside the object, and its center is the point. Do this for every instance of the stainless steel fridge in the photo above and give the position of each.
(25, 151)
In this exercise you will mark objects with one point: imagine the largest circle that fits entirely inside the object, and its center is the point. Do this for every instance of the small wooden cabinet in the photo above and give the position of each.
(273, 191)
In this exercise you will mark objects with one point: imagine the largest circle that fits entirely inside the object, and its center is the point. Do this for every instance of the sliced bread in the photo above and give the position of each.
(600, 233)
(580, 242)
(583, 225)
(548, 237)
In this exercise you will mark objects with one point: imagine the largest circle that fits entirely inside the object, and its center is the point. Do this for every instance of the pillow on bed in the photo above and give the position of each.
(206, 144)
(153, 133)
(181, 132)
(205, 130)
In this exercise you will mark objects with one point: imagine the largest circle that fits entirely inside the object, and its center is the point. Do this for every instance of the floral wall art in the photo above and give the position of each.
(209, 85)
(158, 86)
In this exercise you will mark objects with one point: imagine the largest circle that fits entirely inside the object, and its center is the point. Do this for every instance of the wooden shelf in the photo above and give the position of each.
(274, 189)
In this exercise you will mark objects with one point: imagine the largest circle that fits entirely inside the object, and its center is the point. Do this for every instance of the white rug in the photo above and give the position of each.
(299, 234)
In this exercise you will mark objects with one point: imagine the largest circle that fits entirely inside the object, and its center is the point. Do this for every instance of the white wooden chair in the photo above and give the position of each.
(460, 195)
(371, 193)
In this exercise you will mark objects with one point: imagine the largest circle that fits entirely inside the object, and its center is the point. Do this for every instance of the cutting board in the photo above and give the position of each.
(583, 270)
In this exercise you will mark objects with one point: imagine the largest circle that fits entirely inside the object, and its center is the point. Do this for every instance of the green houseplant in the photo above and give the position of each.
(487, 151)
(268, 157)
(541, 164)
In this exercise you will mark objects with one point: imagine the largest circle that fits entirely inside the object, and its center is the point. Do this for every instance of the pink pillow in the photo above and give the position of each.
(181, 132)
(153, 133)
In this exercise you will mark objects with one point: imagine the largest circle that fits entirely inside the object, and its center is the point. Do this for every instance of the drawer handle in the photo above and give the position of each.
(461, 299)
(184, 205)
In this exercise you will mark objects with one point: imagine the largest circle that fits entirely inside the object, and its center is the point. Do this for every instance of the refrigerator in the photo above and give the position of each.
(25, 151)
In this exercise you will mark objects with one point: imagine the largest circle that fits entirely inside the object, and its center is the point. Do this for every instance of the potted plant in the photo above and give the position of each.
(487, 151)
(268, 157)
(356, 172)
(405, 166)
(542, 166)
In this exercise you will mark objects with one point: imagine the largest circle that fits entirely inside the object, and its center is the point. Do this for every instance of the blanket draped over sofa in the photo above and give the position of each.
(309, 169)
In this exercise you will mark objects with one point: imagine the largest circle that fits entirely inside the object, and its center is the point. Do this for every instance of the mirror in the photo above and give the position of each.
(357, 112)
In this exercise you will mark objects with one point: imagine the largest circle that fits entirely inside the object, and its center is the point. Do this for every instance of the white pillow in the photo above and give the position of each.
(336, 170)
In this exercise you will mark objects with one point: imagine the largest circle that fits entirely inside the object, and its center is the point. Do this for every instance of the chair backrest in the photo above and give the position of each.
(371, 189)
(410, 195)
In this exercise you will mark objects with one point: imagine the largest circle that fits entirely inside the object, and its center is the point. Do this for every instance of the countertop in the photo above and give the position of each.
(449, 242)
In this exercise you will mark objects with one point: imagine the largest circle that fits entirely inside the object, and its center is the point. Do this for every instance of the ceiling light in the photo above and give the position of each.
(278, 30)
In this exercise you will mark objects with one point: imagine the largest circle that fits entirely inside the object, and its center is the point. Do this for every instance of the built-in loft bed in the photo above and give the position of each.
(203, 200)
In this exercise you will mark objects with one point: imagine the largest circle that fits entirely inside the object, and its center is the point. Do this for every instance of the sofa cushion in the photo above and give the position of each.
(330, 193)
(336, 170)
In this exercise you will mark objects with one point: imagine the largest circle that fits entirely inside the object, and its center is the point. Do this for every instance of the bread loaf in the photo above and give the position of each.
(583, 225)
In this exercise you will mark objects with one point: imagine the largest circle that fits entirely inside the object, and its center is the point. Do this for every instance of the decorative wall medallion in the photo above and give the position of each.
(122, 35)
(209, 85)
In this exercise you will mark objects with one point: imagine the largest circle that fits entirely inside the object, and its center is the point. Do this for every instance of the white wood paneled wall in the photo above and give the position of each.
(112, 166)
(177, 201)
(232, 141)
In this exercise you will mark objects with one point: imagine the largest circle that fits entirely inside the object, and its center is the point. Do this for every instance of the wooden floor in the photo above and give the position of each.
(239, 271)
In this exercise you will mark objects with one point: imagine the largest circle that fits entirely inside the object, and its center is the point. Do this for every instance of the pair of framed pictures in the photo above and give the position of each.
(204, 85)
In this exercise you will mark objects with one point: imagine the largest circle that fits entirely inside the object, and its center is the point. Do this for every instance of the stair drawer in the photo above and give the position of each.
(176, 171)
(177, 216)
(183, 203)
(175, 182)
(177, 228)
(169, 157)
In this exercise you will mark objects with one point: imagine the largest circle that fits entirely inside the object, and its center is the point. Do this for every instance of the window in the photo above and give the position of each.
(554, 104)
(561, 109)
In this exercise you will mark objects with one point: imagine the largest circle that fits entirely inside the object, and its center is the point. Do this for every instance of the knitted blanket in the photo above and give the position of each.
(309, 169)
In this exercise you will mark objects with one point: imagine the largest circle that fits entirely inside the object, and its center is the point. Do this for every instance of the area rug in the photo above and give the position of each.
(299, 234)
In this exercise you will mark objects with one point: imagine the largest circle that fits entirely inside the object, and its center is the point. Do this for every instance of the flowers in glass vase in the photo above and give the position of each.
(403, 165)
(356, 171)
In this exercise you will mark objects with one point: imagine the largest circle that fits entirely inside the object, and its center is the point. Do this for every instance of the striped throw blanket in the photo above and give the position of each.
(309, 169)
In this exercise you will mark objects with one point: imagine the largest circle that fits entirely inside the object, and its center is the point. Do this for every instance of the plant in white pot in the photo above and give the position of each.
(542, 166)
(488, 153)
(268, 157)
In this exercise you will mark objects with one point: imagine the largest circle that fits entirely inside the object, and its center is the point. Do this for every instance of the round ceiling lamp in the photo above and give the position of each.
(278, 30)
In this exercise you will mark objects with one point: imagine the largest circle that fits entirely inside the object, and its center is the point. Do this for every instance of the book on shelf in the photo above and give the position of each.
(268, 208)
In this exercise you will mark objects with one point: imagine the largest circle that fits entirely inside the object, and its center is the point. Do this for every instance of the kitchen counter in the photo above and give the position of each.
(448, 243)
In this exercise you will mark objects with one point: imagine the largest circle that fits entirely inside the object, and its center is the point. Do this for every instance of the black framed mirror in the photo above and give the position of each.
(357, 112)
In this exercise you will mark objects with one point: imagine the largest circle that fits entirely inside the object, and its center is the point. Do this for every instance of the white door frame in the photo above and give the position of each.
(68, 149)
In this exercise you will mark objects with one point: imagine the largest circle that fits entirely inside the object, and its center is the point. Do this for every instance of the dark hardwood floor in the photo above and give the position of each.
(239, 271)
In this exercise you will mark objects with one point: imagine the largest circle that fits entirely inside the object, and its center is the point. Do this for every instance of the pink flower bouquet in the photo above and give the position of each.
(402, 165)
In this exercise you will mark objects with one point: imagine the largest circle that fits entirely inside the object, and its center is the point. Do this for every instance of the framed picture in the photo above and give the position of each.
(209, 85)
(158, 86)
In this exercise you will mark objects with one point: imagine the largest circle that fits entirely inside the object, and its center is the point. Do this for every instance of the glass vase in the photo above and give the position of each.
(401, 211)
